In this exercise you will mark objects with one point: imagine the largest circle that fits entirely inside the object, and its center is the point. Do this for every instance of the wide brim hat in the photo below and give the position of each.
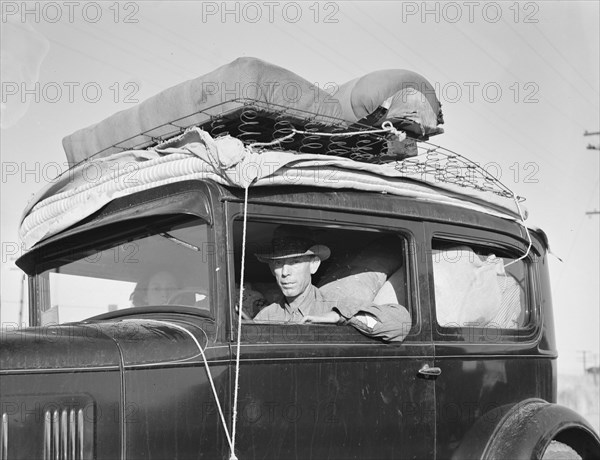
(292, 241)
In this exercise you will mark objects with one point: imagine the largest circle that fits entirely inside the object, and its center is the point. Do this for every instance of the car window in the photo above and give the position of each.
(168, 265)
(365, 265)
(479, 286)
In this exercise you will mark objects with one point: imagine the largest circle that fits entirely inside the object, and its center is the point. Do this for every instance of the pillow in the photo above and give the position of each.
(393, 290)
(362, 276)
(466, 288)
(409, 98)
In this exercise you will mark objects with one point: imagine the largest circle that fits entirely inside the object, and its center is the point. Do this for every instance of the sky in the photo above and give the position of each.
(518, 82)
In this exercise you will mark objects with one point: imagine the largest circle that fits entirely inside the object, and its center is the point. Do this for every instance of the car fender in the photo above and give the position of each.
(524, 431)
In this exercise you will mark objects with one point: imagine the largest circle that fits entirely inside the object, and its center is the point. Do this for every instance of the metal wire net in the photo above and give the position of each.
(434, 163)
(254, 121)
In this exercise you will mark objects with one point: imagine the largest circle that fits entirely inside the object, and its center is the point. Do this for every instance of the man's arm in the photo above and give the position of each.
(331, 317)
(389, 322)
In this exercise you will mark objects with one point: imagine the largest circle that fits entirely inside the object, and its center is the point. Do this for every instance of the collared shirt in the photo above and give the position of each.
(313, 303)
(389, 322)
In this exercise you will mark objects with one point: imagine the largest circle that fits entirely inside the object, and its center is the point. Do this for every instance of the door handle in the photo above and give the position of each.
(431, 371)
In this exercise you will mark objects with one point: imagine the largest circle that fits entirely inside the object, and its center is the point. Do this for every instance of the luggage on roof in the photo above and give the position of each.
(216, 102)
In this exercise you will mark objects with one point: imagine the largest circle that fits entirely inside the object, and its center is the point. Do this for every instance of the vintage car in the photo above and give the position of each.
(108, 370)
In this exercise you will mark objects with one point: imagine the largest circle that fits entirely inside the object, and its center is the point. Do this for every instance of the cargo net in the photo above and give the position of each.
(277, 127)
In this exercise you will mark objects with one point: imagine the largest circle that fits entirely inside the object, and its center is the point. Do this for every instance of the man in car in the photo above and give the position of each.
(293, 258)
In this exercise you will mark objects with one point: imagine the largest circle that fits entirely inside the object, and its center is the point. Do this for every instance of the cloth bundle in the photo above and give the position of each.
(401, 95)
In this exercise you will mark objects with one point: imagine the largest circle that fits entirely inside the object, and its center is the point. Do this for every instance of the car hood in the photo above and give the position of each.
(115, 343)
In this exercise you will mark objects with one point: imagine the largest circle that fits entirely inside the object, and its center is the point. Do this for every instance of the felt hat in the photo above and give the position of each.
(293, 241)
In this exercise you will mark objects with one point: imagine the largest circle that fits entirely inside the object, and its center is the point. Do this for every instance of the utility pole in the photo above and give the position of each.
(584, 354)
(592, 146)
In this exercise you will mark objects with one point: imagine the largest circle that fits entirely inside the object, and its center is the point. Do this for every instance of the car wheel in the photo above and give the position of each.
(559, 451)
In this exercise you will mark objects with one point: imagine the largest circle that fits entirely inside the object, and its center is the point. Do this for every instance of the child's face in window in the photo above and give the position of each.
(161, 288)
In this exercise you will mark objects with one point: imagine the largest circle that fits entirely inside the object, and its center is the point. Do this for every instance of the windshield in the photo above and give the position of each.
(167, 268)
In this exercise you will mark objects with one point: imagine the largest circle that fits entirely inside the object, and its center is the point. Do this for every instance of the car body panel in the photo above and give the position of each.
(318, 391)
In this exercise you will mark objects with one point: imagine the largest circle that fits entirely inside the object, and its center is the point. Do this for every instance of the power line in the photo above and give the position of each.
(511, 128)
(585, 97)
(88, 56)
(138, 51)
(575, 239)
(564, 58)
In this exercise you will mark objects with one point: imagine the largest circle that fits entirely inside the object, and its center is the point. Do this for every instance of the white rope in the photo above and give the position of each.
(386, 127)
(239, 329)
(522, 222)
(210, 378)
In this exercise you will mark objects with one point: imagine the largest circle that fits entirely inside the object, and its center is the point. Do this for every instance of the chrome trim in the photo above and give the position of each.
(4, 438)
(430, 371)
(64, 427)
(63, 435)
(61, 370)
(72, 434)
(47, 434)
(80, 432)
(55, 434)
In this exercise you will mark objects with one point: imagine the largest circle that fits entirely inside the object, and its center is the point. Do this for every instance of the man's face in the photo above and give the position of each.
(293, 274)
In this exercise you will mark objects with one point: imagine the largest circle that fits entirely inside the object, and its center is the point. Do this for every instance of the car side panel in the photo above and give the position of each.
(340, 401)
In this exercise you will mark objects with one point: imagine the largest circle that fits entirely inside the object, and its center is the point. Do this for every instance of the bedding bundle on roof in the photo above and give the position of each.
(400, 96)
(225, 160)
(283, 131)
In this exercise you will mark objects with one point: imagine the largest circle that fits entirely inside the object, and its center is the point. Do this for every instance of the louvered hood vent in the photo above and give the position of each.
(66, 427)
(64, 435)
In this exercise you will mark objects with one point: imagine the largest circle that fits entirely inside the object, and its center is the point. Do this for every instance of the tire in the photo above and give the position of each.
(559, 451)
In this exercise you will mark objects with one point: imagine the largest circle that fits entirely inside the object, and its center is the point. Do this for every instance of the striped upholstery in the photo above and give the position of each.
(510, 315)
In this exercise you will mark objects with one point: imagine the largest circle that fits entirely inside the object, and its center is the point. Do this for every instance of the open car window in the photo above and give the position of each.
(365, 265)
(166, 265)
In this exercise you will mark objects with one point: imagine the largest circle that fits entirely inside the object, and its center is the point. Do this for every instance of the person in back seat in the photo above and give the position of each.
(156, 289)
(293, 258)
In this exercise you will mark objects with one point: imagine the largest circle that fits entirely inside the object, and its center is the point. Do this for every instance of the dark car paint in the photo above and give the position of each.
(343, 397)
(131, 377)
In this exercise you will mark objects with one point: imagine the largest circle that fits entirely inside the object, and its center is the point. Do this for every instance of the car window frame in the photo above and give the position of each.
(40, 280)
(486, 238)
(411, 230)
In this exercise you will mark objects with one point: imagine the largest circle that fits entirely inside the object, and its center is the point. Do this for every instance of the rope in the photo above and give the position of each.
(210, 378)
(387, 127)
(239, 329)
(522, 222)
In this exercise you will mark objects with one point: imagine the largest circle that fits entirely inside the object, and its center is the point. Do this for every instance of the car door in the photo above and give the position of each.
(327, 391)
(486, 329)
